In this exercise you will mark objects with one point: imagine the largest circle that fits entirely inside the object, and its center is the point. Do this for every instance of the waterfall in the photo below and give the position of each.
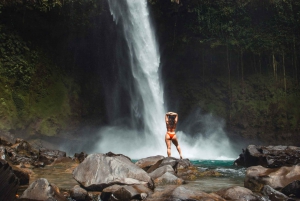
(143, 84)
(144, 61)
(139, 88)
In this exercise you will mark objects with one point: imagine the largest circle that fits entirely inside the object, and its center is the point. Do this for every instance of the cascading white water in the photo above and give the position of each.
(144, 60)
(133, 18)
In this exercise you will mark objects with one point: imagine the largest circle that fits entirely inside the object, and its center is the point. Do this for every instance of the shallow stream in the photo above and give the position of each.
(61, 175)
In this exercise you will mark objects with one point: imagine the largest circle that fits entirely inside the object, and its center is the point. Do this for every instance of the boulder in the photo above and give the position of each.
(48, 156)
(237, 193)
(292, 189)
(168, 179)
(169, 161)
(183, 193)
(9, 182)
(257, 177)
(183, 164)
(23, 174)
(269, 156)
(79, 157)
(41, 189)
(128, 192)
(4, 142)
(274, 195)
(79, 194)
(146, 163)
(162, 170)
(99, 171)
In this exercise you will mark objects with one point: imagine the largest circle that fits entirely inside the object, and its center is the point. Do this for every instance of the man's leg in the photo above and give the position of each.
(175, 142)
(168, 143)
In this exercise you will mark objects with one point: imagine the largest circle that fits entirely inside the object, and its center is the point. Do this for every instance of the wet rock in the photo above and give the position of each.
(41, 189)
(184, 193)
(127, 193)
(292, 189)
(9, 182)
(269, 156)
(169, 161)
(146, 163)
(2, 152)
(99, 171)
(79, 157)
(162, 170)
(4, 142)
(63, 160)
(273, 195)
(22, 174)
(237, 193)
(257, 177)
(38, 164)
(108, 191)
(168, 179)
(183, 164)
(79, 194)
(47, 156)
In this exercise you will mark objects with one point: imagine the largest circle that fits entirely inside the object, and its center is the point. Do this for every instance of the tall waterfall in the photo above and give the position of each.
(146, 94)
(144, 60)
(137, 71)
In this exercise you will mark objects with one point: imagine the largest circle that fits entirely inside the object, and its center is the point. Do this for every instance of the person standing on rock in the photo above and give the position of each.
(171, 119)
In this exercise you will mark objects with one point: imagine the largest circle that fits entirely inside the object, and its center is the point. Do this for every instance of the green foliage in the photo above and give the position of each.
(16, 59)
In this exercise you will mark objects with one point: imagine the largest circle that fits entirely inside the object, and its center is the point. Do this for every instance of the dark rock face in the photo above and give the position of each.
(79, 194)
(98, 171)
(292, 189)
(41, 189)
(47, 156)
(22, 174)
(269, 156)
(273, 195)
(80, 156)
(146, 163)
(9, 182)
(257, 177)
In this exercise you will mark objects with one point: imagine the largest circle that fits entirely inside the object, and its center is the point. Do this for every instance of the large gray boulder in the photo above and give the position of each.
(99, 171)
(41, 189)
(257, 177)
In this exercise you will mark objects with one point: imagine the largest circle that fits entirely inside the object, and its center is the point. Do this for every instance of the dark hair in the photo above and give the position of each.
(171, 119)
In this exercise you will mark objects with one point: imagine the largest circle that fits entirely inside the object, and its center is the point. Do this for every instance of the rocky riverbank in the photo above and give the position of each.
(115, 177)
